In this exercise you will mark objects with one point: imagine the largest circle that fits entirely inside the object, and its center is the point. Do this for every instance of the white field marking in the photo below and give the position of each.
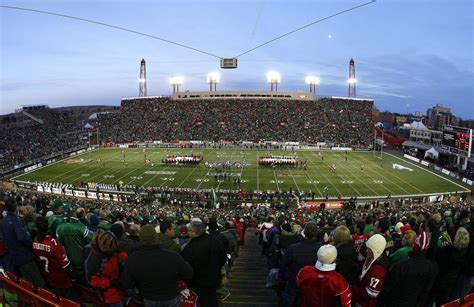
(76, 171)
(190, 173)
(401, 167)
(406, 182)
(258, 178)
(94, 168)
(352, 173)
(120, 168)
(100, 170)
(385, 177)
(342, 179)
(314, 182)
(433, 173)
(62, 160)
(299, 191)
(351, 166)
(330, 182)
(276, 180)
(154, 176)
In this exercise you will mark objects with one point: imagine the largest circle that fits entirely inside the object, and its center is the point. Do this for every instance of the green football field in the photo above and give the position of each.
(361, 175)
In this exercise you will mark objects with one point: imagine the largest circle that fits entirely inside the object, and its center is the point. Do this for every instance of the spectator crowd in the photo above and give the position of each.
(332, 120)
(34, 140)
(413, 255)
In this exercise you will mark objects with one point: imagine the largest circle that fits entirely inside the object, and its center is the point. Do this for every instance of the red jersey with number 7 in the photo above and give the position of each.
(52, 259)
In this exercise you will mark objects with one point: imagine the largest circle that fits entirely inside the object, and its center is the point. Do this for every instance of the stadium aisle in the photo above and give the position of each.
(248, 277)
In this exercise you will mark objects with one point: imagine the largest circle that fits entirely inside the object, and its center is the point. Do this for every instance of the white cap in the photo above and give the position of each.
(327, 254)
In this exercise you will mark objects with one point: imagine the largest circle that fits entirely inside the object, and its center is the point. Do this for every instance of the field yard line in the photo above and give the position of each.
(47, 165)
(87, 166)
(258, 177)
(299, 191)
(307, 174)
(350, 184)
(383, 177)
(330, 182)
(401, 179)
(119, 169)
(276, 180)
(100, 171)
(190, 173)
(429, 171)
(352, 174)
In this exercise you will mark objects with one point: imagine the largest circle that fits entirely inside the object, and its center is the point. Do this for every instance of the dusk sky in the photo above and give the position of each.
(407, 52)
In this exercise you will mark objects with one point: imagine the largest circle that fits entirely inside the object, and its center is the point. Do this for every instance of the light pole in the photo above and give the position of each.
(312, 81)
(175, 82)
(213, 78)
(273, 78)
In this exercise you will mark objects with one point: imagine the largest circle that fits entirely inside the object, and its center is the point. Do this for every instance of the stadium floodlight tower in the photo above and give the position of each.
(352, 79)
(312, 81)
(142, 80)
(175, 82)
(273, 78)
(213, 78)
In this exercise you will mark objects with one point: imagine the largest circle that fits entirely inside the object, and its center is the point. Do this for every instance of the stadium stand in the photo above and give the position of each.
(29, 143)
(334, 120)
(391, 255)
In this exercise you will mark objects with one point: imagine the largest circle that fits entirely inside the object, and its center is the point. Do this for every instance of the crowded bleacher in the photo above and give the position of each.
(372, 255)
(333, 120)
(51, 133)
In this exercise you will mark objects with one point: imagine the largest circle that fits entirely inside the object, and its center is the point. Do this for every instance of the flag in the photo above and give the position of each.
(215, 199)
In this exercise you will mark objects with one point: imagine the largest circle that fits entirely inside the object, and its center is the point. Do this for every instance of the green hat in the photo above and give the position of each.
(57, 204)
(148, 235)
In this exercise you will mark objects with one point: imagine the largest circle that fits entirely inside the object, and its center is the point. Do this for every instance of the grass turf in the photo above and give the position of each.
(349, 179)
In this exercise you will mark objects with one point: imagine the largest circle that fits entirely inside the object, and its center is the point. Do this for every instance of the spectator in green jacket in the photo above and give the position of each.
(167, 235)
(74, 236)
(402, 253)
(57, 218)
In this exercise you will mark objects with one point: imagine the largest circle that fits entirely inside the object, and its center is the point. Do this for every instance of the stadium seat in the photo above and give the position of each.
(25, 291)
(64, 302)
(12, 276)
(454, 303)
(8, 284)
(47, 295)
(468, 300)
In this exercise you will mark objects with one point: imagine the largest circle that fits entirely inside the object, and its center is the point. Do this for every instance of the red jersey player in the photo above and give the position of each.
(51, 256)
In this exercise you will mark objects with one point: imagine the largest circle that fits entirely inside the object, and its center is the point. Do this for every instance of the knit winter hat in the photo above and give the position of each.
(94, 220)
(405, 228)
(148, 235)
(57, 204)
(421, 243)
(398, 227)
(376, 244)
(327, 254)
(117, 229)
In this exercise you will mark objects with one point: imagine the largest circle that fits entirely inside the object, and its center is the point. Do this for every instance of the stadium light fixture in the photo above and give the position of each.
(175, 82)
(352, 80)
(273, 78)
(142, 80)
(213, 78)
(312, 81)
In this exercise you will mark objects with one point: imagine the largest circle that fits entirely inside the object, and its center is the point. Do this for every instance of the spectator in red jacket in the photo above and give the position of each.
(321, 285)
(370, 282)
(52, 259)
(103, 267)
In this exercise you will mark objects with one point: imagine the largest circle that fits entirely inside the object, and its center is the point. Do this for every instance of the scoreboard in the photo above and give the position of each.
(457, 140)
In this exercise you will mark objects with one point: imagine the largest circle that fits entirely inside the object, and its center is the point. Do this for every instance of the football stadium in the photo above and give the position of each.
(233, 195)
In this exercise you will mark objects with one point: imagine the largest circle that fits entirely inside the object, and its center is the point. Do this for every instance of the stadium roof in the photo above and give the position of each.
(418, 125)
